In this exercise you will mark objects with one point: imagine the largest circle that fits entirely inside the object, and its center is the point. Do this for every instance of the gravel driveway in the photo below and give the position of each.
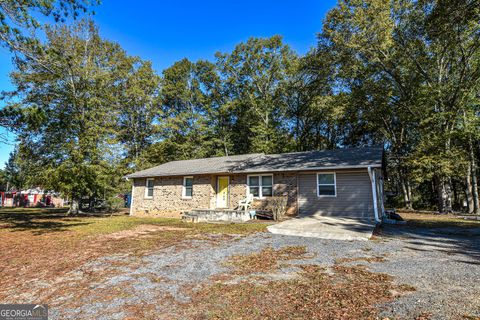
(442, 265)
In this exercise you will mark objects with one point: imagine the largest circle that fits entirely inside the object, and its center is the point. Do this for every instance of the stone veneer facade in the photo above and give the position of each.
(167, 194)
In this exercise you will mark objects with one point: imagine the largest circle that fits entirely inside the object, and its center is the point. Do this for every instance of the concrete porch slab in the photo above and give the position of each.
(337, 228)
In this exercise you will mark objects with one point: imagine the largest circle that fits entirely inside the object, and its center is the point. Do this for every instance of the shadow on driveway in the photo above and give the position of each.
(450, 238)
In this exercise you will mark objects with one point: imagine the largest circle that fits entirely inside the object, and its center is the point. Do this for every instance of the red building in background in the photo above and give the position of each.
(34, 197)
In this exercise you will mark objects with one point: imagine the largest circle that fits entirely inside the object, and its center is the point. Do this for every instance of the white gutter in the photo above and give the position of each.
(371, 173)
(309, 169)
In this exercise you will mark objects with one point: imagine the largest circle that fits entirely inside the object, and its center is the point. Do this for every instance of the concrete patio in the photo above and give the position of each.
(336, 228)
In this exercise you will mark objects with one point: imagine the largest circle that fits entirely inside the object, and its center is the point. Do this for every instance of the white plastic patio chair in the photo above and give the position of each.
(246, 203)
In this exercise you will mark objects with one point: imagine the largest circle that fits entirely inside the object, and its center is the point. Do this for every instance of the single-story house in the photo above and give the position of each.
(343, 182)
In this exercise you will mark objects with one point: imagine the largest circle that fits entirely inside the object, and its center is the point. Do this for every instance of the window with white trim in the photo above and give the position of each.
(260, 186)
(187, 190)
(149, 188)
(326, 184)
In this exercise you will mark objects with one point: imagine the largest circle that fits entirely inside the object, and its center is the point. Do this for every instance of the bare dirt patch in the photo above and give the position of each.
(142, 230)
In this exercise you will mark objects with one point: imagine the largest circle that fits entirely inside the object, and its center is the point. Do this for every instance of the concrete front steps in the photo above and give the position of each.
(215, 215)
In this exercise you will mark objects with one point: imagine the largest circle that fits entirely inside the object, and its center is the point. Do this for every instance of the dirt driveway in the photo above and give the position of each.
(425, 270)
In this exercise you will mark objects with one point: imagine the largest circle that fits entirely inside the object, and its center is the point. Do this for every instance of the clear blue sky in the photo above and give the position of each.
(167, 31)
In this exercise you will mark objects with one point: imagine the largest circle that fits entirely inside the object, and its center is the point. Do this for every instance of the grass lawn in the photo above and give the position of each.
(425, 220)
(42, 244)
(50, 221)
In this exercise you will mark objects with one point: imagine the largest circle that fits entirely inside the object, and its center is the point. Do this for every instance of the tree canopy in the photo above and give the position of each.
(401, 74)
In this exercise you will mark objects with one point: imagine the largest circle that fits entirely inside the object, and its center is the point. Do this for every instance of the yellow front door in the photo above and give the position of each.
(222, 192)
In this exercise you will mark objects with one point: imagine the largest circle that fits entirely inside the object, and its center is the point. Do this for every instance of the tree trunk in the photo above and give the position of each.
(406, 193)
(456, 200)
(409, 195)
(444, 195)
(476, 204)
(448, 191)
(74, 207)
(468, 191)
(91, 204)
(473, 172)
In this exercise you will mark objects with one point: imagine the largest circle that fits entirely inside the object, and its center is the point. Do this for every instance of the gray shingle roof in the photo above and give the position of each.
(312, 160)
(258, 162)
(196, 166)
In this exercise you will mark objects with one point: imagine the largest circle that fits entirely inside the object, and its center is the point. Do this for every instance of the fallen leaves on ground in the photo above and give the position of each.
(266, 260)
(345, 292)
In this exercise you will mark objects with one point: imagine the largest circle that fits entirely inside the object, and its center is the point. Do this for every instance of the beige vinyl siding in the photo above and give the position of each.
(353, 199)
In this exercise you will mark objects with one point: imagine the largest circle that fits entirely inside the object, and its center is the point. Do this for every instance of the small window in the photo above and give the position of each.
(326, 184)
(149, 188)
(260, 186)
(187, 191)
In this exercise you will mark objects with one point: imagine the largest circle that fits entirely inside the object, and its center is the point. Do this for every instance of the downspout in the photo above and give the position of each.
(371, 173)
(131, 197)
